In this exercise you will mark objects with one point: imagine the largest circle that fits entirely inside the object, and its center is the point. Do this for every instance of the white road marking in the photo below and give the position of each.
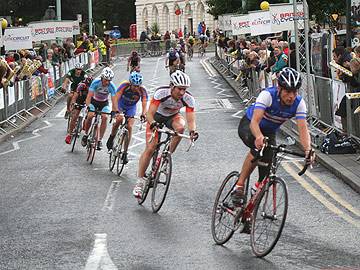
(206, 68)
(236, 115)
(226, 103)
(110, 197)
(61, 113)
(35, 135)
(99, 257)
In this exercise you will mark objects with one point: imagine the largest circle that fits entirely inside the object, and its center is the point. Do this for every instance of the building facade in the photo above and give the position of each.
(162, 12)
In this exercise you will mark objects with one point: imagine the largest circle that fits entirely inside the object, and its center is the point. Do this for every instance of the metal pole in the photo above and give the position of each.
(90, 17)
(307, 53)
(297, 42)
(348, 23)
(58, 10)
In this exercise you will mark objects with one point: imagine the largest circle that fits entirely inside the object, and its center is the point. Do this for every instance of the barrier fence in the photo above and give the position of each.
(27, 98)
(322, 95)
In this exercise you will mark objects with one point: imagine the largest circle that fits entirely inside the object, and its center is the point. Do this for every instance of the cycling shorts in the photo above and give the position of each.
(129, 111)
(249, 140)
(81, 100)
(102, 106)
(166, 120)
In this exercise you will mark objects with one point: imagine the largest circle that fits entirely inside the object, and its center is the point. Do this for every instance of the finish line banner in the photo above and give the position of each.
(283, 17)
(260, 23)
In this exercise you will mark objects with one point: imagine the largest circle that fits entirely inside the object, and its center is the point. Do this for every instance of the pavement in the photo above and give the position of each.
(344, 166)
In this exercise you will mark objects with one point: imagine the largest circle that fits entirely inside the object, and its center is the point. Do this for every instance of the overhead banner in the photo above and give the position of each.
(64, 29)
(18, 38)
(240, 25)
(283, 17)
(260, 23)
(225, 22)
(76, 28)
(43, 31)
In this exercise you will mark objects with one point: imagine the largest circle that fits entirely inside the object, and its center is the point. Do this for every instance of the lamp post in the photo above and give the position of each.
(334, 18)
(90, 17)
(104, 24)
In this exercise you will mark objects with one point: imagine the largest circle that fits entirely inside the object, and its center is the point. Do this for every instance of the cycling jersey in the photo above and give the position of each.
(167, 106)
(130, 97)
(275, 113)
(74, 79)
(101, 93)
(82, 91)
(134, 61)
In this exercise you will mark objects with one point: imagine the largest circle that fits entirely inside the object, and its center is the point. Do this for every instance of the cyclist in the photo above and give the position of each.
(164, 109)
(181, 52)
(74, 76)
(203, 43)
(128, 94)
(172, 60)
(133, 62)
(79, 97)
(274, 106)
(190, 44)
(97, 98)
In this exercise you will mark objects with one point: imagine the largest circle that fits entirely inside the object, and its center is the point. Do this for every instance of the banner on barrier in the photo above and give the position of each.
(92, 60)
(240, 25)
(260, 23)
(283, 17)
(35, 87)
(17, 38)
(64, 29)
(2, 105)
(225, 22)
(338, 92)
(96, 57)
(11, 95)
(51, 87)
(20, 90)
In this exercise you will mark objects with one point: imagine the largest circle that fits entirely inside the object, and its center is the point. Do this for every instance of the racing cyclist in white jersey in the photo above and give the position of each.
(274, 106)
(98, 98)
(164, 109)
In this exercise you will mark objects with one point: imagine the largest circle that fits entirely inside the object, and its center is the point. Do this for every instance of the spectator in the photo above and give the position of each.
(281, 60)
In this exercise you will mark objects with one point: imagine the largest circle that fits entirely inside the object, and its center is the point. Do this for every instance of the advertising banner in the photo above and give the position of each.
(64, 29)
(43, 31)
(225, 22)
(338, 92)
(76, 28)
(18, 38)
(260, 23)
(283, 17)
(2, 104)
(240, 25)
(35, 87)
(11, 95)
(21, 90)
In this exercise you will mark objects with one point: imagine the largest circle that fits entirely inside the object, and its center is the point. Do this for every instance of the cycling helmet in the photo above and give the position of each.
(179, 78)
(290, 79)
(136, 78)
(79, 66)
(107, 74)
(88, 80)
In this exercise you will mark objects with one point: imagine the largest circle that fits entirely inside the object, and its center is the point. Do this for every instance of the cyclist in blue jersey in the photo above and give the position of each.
(98, 98)
(128, 95)
(273, 107)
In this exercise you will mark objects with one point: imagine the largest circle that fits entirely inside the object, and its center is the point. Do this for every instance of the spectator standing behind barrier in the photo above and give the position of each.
(167, 41)
(143, 38)
(281, 60)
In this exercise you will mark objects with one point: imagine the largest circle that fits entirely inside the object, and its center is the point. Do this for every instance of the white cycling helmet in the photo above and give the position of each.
(179, 78)
(107, 74)
(79, 66)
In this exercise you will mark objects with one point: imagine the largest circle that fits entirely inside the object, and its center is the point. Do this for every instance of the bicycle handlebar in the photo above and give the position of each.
(172, 133)
(282, 149)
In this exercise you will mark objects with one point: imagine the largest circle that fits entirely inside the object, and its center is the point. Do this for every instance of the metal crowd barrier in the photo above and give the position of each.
(30, 97)
(324, 100)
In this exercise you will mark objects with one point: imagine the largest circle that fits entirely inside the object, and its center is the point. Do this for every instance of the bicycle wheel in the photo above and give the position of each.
(150, 180)
(77, 132)
(269, 217)
(114, 152)
(92, 145)
(121, 151)
(161, 183)
(222, 220)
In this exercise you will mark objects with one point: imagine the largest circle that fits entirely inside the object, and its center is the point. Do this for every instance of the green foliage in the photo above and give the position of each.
(155, 29)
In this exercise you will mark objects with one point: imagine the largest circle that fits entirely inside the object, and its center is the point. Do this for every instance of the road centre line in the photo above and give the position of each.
(320, 197)
(329, 191)
(99, 257)
(110, 198)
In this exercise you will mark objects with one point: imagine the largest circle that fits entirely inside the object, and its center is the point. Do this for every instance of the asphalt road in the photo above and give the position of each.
(59, 212)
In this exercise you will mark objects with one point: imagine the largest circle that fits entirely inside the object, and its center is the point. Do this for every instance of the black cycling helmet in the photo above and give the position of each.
(290, 79)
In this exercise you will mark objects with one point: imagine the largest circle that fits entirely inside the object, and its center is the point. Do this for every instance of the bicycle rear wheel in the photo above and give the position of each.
(76, 133)
(121, 151)
(114, 154)
(269, 217)
(161, 183)
(222, 220)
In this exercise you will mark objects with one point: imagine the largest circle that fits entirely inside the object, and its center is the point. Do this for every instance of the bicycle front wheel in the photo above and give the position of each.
(269, 217)
(222, 220)
(121, 153)
(161, 183)
(92, 145)
(76, 133)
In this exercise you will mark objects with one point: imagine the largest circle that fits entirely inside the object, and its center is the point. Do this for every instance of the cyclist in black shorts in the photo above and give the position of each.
(133, 62)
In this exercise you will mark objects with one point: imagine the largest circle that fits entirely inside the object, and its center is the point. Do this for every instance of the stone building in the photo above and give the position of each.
(163, 13)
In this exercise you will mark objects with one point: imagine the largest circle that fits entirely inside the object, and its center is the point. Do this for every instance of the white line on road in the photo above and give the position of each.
(61, 113)
(99, 257)
(110, 197)
(35, 135)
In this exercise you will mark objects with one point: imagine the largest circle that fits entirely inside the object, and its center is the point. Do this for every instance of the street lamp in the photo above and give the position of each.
(104, 24)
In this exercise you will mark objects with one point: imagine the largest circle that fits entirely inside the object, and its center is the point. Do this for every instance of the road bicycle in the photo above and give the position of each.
(262, 215)
(159, 175)
(190, 52)
(118, 153)
(93, 138)
(75, 134)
